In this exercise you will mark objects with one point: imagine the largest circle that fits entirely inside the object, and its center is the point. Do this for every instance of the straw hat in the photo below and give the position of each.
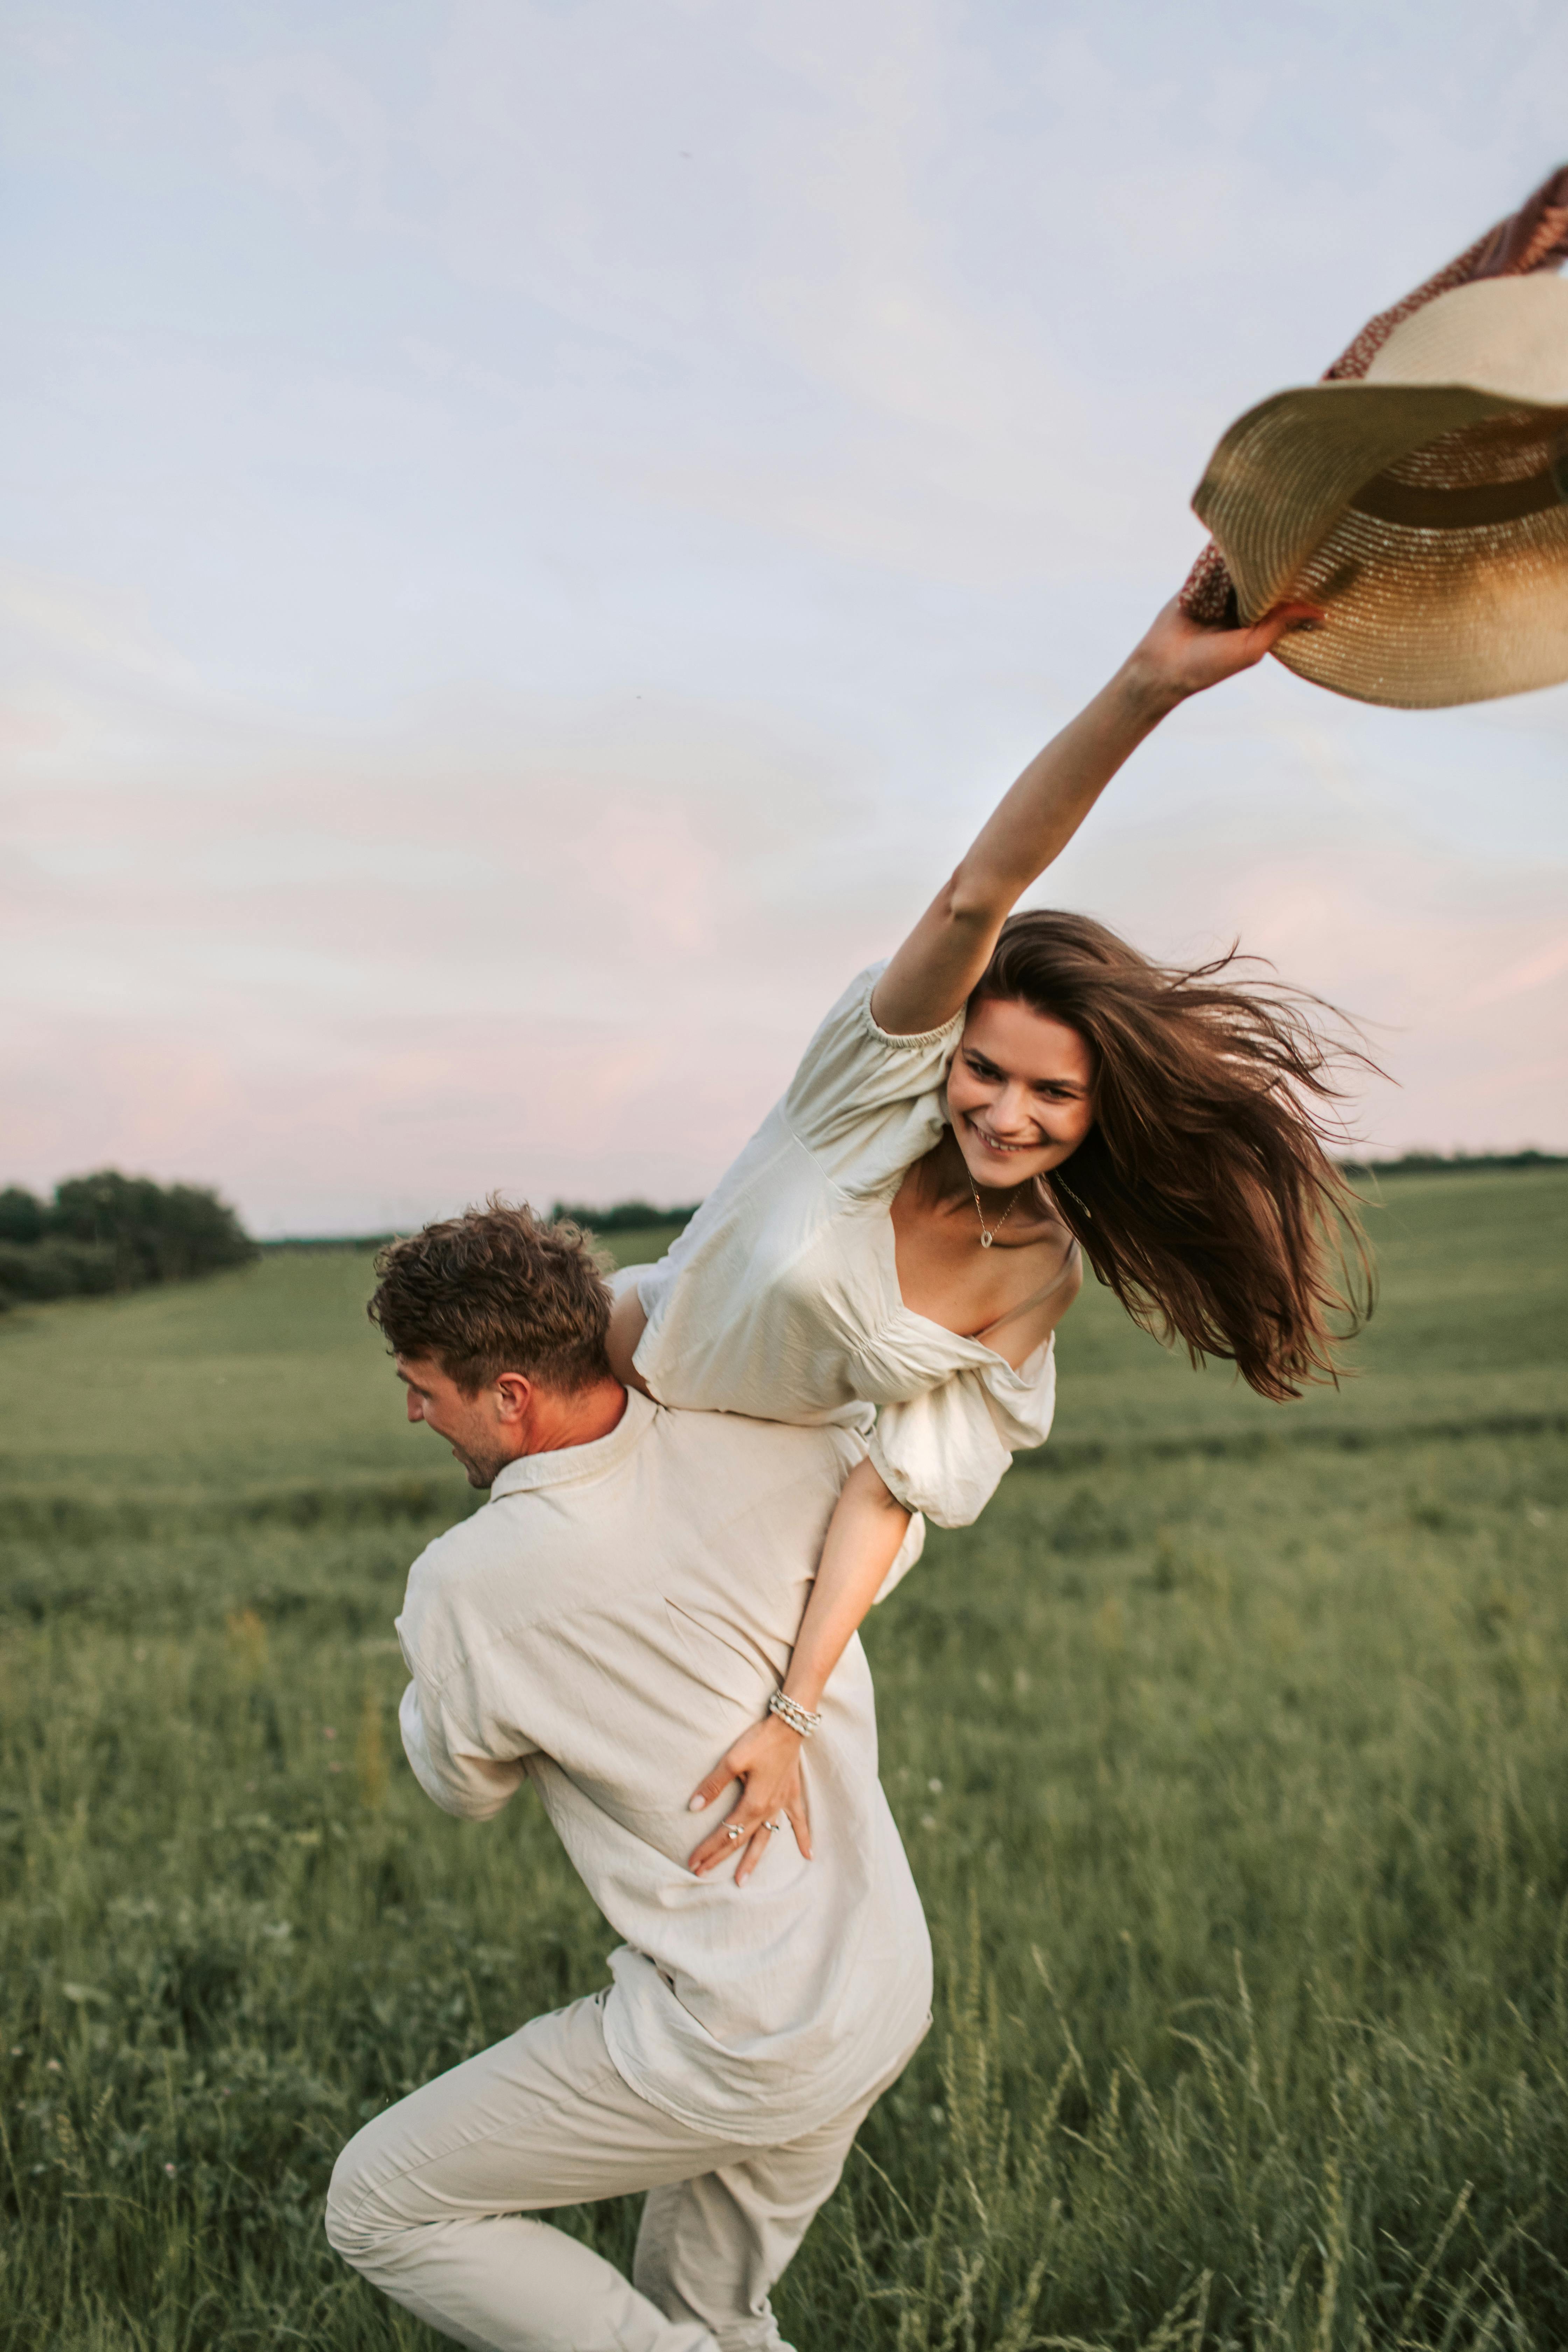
(1420, 492)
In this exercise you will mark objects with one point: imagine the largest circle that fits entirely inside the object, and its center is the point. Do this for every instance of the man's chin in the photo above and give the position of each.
(475, 1473)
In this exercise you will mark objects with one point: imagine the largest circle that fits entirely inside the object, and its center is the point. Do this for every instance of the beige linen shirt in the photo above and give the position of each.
(782, 1299)
(605, 1626)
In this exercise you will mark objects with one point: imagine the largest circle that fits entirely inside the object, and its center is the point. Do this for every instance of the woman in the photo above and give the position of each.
(900, 1233)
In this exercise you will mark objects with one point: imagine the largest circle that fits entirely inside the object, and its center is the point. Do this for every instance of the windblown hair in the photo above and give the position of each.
(496, 1291)
(1203, 1195)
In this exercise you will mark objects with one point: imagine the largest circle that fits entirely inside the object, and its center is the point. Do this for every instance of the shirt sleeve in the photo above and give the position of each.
(945, 1453)
(856, 1084)
(460, 1776)
(462, 1740)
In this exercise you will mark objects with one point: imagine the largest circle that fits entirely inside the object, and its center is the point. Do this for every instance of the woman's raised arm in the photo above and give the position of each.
(950, 947)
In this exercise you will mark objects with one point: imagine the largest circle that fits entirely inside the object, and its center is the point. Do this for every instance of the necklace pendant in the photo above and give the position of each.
(984, 1240)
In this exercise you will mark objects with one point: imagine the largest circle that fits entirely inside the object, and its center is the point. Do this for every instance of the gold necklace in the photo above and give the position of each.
(989, 1233)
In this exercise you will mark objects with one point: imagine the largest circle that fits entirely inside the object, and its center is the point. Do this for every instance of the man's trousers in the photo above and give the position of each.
(431, 2202)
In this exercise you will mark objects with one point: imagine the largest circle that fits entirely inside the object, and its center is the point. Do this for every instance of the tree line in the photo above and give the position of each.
(1449, 1163)
(626, 1217)
(106, 1232)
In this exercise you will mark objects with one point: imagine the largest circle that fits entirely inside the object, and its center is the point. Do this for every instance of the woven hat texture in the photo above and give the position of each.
(1420, 492)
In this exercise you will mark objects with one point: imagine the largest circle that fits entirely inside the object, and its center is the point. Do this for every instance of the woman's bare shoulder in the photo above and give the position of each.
(1038, 1225)
(1051, 1275)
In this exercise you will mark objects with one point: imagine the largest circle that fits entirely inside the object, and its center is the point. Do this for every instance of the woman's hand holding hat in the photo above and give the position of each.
(1178, 656)
(1419, 490)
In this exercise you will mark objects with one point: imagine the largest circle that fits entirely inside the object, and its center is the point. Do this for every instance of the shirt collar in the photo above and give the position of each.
(579, 1462)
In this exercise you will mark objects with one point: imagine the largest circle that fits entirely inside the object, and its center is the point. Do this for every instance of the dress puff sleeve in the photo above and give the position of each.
(721, 1332)
(944, 1452)
(866, 1104)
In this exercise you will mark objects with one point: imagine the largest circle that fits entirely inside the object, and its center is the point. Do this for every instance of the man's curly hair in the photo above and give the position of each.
(495, 1291)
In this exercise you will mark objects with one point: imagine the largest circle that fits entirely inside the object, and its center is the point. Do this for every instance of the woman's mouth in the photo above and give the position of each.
(995, 1143)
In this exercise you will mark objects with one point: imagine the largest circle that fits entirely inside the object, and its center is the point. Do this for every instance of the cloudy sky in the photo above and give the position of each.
(539, 527)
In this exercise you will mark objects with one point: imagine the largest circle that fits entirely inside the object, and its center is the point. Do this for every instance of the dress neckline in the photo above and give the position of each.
(975, 1343)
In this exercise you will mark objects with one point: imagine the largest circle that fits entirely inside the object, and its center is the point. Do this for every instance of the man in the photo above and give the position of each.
(604, 1627)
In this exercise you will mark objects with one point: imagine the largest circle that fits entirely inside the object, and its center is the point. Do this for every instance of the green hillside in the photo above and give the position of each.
(1231, 1751)
(270, 1378)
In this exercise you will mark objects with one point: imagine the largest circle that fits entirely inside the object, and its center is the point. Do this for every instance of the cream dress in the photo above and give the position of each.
(780, 1299)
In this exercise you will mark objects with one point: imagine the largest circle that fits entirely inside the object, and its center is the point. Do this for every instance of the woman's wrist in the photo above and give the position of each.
(806, 1690)
(801, 1719)
(1147, 689)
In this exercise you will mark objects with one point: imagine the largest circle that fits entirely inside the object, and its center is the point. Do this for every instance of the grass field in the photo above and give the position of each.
(1230, 1749)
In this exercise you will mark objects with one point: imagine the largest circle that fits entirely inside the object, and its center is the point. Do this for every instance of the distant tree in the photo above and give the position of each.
(22, 1216)
(54, 1269)
(198, 1234)
(114, 1213)
(155, 1232)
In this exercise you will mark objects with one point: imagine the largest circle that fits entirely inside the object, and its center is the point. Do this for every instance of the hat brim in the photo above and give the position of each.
(1433, 596)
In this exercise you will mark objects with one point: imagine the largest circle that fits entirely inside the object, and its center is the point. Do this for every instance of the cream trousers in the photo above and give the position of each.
(431, 2202)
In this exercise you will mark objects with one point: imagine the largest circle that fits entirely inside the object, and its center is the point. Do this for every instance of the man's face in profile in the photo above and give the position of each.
(472, 1425)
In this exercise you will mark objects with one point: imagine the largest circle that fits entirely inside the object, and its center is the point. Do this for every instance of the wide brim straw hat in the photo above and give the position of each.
(1419, 493)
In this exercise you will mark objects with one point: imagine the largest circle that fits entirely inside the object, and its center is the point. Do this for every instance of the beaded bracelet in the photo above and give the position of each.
(799, 1718)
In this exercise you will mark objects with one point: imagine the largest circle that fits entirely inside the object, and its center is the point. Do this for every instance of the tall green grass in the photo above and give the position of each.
(1229, 1749)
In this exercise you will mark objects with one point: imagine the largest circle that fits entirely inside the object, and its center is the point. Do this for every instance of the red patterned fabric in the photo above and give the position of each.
(1534, 238)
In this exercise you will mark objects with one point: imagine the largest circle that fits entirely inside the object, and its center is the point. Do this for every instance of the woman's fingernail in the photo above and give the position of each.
(699, 1803)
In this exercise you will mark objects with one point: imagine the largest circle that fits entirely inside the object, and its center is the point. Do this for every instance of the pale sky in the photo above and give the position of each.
(537, 529)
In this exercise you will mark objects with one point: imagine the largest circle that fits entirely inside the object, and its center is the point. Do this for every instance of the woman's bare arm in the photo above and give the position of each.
(861, 1544)
(941, 962)
(627, 1324)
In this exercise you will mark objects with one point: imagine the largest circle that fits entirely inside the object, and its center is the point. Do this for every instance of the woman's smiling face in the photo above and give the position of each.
(1020, 1093)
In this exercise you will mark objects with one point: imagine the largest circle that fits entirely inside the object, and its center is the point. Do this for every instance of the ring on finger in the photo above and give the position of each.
(734, 1834)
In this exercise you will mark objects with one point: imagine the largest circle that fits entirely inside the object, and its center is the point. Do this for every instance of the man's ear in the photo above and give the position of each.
(513, 1392)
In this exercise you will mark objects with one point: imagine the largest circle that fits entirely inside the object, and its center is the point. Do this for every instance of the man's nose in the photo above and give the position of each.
(413, 1410)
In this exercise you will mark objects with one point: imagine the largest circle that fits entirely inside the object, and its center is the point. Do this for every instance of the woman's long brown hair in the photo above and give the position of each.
(1203, 1195)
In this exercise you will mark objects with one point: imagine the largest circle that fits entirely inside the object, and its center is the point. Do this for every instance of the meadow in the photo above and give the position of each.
(1230, 1750)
